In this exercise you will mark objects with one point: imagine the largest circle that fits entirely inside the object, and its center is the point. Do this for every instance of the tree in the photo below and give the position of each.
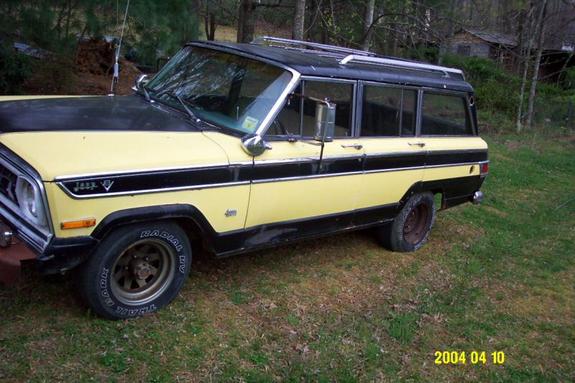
(368, 24)
(246, 21)
(209, 22)
(540, 42)
(298, 20)
(527, 60)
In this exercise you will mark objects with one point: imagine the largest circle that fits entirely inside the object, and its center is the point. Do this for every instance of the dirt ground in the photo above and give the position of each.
(88, 73)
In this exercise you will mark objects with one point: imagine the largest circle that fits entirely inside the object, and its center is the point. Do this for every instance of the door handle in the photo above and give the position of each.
(420, 144)
(355, 146)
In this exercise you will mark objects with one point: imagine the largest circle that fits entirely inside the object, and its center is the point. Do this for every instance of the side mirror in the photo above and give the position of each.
(324, 121)
(254, 144)
(141, 81)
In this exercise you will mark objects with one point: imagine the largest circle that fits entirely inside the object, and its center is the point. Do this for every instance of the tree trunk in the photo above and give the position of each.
(537, 64)
(445, 48)
(209, 22)
(246, 22)
(527, 61)
(68, 17)
(368, 24)
(298, 20)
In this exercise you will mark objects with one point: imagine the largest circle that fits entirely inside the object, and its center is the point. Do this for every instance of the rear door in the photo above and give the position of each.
(394, 155)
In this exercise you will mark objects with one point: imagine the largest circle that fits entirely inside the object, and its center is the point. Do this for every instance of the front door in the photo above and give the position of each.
(293, 193)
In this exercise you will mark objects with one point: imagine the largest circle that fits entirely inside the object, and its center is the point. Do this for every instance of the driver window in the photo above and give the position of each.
(339, 93)
(297, 117)
(288, 120)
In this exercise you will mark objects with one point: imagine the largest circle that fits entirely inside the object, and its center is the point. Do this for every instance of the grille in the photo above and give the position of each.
(8, 183)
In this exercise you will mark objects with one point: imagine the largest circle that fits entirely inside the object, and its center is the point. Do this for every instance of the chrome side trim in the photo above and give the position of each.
(261, 181)
(148, 191)
(352, 156)
(299, 178)
(142, 171)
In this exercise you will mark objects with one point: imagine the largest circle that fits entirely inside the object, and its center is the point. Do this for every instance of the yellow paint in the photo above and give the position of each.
(452, 143)
(432, 174)
(58, 154)
(231, 146)
(384, 188)
(288, 200)
(212, 203)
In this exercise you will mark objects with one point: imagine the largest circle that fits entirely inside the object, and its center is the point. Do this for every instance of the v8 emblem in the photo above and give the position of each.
(107, 184)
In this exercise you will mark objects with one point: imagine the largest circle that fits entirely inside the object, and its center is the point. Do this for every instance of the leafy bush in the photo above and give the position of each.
(495, 88)
(14, 70)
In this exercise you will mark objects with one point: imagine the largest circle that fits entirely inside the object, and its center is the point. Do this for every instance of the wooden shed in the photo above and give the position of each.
(493, 45)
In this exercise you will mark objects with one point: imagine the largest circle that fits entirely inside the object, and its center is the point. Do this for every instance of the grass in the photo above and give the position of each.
(500, 277)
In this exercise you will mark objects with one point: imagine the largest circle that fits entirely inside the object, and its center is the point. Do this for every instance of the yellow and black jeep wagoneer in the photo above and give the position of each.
(236, 146)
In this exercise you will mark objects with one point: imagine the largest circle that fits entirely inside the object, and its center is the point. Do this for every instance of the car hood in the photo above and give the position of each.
(95, 135)
(101, 113)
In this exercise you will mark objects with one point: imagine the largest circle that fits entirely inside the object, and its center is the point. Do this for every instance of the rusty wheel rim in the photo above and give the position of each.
(142, 272)
(415, 226)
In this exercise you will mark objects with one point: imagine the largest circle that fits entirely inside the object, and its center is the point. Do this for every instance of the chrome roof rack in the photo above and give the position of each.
(401, 64)
(306, 45)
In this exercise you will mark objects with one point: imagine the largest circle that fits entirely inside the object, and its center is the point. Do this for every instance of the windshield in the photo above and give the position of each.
(226, 90)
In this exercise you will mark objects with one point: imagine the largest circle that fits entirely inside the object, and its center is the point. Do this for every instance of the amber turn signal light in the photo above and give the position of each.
(88, 222)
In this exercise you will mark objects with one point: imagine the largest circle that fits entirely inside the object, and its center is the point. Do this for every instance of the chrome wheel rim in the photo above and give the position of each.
(142, 272)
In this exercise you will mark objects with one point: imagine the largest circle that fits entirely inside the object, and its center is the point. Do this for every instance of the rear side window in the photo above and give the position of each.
(388, 111)
(445, 115)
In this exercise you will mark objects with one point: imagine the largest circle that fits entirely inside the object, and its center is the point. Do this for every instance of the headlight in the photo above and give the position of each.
(30, 201)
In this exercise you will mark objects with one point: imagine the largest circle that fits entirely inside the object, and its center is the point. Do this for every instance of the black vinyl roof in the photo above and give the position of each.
(326, 64)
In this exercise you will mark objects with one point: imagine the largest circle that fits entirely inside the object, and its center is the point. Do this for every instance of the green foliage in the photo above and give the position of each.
(569, 79)
(14, 70)
(495, 88)
(154, 28)
(159, 28)
(497, 95)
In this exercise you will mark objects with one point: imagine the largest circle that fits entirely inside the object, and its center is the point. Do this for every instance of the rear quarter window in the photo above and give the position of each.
(445, 115)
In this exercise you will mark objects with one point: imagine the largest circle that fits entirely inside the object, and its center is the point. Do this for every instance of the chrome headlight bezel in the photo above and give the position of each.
(31, 201)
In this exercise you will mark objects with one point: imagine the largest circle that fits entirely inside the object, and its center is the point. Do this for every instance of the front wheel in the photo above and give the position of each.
(136, 270)
(410, 229)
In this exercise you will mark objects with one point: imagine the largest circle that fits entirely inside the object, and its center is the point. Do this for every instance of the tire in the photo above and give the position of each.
(410, 229)
(135, 270)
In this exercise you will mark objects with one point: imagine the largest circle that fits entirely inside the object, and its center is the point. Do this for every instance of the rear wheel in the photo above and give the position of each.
(410, 228)
(136, 270)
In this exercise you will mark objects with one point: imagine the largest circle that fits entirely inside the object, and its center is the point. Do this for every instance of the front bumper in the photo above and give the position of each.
(61, 255)
(11, 257)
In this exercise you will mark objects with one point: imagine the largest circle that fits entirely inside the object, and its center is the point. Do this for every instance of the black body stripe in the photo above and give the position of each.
(448, 157)
(223, 175)
(394, 161)
(66, 253)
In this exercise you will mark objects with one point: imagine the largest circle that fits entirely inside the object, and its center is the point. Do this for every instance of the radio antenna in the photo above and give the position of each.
(117, 55)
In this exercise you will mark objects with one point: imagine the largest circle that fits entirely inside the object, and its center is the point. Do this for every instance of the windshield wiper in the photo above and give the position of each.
(187, 108)
(146, 93)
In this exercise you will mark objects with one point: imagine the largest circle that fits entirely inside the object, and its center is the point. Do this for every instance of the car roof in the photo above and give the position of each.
(323, 63)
